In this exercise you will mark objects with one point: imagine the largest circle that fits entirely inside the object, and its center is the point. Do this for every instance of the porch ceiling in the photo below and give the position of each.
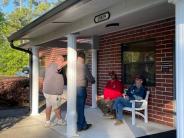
(146, 15)
(80, 16)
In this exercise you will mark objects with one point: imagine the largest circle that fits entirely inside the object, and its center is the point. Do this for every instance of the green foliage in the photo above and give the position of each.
(25, 11)
(12, 60)
(41, 9)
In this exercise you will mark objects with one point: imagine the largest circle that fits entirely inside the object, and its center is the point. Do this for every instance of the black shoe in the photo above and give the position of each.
(87, 126)
(79, 129)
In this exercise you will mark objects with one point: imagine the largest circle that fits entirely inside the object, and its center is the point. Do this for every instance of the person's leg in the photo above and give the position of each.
(48, 112)
(81, 99)
(56, 105)
(58, 113)
(120, 103)
(59, 120)
(104, 107)
(48, 106)
(119, 108)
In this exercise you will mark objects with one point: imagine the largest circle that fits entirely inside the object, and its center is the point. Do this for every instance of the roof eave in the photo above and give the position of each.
(17, 35)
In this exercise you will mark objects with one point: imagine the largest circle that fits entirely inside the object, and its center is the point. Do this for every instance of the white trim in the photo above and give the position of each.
(94, 73)
(179, 68)
(172, 1)
(35, 82)
(71, 87)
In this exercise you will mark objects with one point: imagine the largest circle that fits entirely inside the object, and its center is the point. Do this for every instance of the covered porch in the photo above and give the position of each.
(33, 126)
(90, 24)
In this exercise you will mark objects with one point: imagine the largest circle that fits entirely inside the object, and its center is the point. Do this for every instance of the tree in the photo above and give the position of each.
(25, 11)
(10, 59)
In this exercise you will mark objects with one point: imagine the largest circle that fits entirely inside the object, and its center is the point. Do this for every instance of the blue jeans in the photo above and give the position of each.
(81, 100)
(119, 104)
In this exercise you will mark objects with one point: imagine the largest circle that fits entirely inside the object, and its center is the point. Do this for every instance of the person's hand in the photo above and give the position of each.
(62, 65)
(125, 96)
(63, 97)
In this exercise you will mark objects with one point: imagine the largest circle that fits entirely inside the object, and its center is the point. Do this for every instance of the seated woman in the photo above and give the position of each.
(112, 90)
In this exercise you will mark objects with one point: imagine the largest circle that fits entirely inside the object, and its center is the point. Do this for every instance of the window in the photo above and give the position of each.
(139, 58)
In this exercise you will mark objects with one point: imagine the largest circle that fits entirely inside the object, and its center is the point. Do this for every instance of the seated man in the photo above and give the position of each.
(112, 90)
(136, 92)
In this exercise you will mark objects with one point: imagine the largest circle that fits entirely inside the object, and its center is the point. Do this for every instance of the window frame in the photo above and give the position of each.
(122, 59)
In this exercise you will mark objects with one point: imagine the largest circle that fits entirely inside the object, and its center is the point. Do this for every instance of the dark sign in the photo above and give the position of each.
(102, 17)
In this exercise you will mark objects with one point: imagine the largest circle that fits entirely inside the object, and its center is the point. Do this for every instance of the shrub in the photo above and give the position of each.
(14, 90)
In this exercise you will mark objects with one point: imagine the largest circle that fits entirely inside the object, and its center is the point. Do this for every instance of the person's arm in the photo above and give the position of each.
(129, 94)
(60, 68)
(89, 76)
(62, 65)
(141, 94)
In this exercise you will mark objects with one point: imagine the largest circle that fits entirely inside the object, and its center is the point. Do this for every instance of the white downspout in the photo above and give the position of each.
(35, 81)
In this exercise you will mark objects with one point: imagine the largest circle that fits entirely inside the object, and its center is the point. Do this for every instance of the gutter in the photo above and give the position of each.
(18, 48)
(30, 71)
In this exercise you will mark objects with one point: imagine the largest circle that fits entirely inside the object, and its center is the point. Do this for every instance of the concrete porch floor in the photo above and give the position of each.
(33, 127)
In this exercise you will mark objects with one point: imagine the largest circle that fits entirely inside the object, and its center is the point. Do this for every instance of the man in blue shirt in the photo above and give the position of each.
(136, 92)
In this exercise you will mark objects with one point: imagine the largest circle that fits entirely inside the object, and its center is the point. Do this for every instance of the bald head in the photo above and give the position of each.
(59, 60)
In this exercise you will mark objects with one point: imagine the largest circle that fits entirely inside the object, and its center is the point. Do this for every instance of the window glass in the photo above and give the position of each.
(139, 58)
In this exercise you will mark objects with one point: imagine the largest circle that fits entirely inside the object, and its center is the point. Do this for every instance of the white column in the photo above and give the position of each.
(180, 68)
(94, 70)
(35, 81)
(179, 8)
(71, 87)
(94, 73)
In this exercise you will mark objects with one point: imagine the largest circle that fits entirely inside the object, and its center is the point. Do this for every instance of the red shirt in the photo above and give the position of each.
(113, 89)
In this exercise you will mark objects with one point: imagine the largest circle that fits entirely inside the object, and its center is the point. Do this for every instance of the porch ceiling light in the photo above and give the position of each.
(112, 25)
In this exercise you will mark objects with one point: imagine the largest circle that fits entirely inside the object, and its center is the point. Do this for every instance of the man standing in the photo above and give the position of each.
(83, 75)
(53, 89)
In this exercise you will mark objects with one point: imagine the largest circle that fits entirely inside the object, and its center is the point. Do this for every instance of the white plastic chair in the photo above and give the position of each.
(135, 111)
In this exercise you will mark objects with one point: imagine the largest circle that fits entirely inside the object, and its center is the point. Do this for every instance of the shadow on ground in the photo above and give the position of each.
(167, 134)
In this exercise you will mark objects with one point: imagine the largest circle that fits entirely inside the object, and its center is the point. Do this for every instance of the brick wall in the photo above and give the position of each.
(89, 88)
(48, 55)
(109, 58)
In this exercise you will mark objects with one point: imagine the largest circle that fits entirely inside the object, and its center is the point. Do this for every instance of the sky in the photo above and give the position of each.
(10, 7)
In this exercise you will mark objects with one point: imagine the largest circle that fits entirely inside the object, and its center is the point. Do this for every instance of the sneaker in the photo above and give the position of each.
(49, 124)
(61, 122)
(118, 122)
(109, 116)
